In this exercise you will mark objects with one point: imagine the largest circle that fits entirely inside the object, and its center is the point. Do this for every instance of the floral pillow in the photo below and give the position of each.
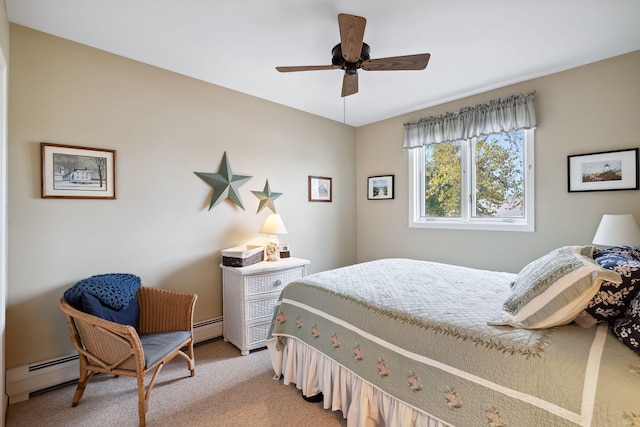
(612, 300)
(627, 328)
(629, 252)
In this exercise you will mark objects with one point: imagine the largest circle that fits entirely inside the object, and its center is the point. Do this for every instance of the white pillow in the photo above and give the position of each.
(554, 289)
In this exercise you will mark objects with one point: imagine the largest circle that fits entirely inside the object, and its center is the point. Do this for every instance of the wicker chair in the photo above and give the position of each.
(165, 328)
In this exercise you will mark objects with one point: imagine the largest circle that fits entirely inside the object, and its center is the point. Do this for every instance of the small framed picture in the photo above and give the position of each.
(70, 172)
(320, 189)
(604, 171)
(380, 187)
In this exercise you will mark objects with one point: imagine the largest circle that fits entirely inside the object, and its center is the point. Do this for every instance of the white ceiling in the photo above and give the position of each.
(475, 45)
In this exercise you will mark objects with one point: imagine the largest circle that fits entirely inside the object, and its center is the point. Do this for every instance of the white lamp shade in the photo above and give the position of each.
(273, 225)
(617, 230)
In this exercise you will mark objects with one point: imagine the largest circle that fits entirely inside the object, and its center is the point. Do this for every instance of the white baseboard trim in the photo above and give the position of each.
(26, 379)
(207, 330)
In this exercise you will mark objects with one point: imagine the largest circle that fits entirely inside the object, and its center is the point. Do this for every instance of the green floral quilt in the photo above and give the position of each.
(418, 330)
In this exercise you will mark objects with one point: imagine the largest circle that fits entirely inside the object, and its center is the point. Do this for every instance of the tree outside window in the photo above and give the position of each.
(480, 183)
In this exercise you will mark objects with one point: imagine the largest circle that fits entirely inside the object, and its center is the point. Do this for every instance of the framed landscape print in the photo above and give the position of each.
(605, 171)
(320, 189)
(380, 187)
(70, 172)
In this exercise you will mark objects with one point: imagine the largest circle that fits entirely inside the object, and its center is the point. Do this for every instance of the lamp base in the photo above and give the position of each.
(271, 252)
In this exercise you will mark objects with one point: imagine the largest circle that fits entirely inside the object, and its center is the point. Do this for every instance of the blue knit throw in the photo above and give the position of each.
(114, 290)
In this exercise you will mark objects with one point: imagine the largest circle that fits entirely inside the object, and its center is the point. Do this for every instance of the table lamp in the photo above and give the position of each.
(617, 230)
(273, 225)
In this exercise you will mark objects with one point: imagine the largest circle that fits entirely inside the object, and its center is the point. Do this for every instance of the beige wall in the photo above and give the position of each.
(588, 109)
(4, 53)
(164, 127)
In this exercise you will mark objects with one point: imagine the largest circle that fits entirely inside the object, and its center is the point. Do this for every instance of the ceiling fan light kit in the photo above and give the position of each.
(349, 67)
(352, 54)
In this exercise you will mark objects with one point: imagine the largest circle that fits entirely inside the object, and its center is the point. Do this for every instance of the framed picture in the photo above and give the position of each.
(70, 172)
(320, 189)
(605, 171)
(380, 187)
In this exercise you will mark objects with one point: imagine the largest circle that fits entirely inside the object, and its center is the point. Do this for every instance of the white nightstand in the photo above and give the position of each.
(249, 297)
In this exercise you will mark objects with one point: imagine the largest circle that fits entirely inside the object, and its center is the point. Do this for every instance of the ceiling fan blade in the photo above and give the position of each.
(307, 68)
(408, 62)
(349, 84)
(351, 35)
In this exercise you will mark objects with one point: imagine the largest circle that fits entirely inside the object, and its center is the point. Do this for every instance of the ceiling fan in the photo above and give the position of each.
(352, 53)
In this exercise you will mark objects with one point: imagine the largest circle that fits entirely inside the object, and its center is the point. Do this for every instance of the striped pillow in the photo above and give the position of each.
(555, 288)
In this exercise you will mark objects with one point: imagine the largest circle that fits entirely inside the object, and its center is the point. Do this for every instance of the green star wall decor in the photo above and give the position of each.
(267, 198)
(225, 184)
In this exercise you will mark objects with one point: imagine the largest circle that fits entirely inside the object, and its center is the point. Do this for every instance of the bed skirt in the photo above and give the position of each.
(361, 403)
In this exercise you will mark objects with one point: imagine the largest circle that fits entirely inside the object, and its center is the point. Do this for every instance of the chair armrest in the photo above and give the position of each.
(163, 311)
(102, 341)
(73, 313)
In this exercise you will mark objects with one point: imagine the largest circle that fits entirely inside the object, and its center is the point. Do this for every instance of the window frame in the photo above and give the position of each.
(417, 219)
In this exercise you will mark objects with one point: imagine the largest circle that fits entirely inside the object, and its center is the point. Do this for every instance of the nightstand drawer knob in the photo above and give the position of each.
(277, 282)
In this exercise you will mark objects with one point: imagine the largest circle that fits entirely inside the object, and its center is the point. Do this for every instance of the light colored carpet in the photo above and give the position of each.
(227, 390)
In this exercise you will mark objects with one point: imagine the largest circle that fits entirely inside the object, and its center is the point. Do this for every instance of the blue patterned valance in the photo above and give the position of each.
(499, 115)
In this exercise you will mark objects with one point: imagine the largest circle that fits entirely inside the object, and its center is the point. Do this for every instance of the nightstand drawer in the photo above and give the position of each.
(264, 283)
(261, 308)
(257, 334)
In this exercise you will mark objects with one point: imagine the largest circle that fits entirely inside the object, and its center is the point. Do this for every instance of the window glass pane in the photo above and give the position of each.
(443, 180)
(499, 176)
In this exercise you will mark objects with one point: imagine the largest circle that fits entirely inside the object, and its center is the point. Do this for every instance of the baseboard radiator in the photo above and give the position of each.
(26, 379)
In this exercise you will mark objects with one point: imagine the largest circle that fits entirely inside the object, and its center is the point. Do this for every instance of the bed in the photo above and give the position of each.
(401, 342)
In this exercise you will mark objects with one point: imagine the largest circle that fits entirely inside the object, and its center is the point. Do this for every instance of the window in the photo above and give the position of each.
(483, 183)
